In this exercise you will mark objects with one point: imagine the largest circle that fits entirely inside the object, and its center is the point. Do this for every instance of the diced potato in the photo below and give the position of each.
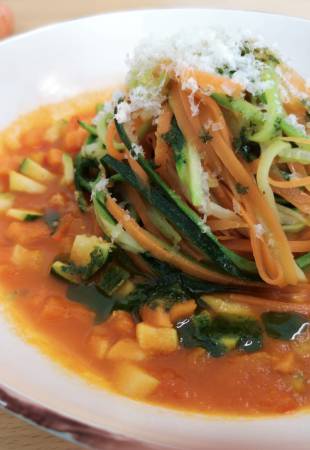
(122, 323)
(98, 346)
(226, 307)
(286, 363)
(125, 289)
(24, 258)
(133, 381)
(38, 157)
(74, 140)
(181, 310)
(55, 131)
(26, 233)
(126, 349)
(298, 382)
(157, 340)
(301, 346)
(54, 159)
(157, 317)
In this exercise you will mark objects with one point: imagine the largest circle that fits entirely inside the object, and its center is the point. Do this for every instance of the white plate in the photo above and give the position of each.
(60, 61)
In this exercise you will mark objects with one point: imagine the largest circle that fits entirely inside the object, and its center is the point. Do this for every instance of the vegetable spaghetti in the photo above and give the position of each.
(175, 220)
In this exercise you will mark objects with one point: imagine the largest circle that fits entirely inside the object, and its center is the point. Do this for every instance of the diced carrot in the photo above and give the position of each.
(26, 233)
(98, 346)
(286, 364)
(157, 317)
(74, 140)
(182, 310)
(57, 200)
(55, 308)
(122, 323)
(38, 157)
(54, 159)
(9, 162)
(33, 137)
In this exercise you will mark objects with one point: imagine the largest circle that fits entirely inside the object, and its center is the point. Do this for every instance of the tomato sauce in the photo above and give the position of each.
(272, 381)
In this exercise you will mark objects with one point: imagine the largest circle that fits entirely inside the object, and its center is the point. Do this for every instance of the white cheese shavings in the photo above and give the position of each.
(191, 85)
(292, 120)
(123, 112)
(137, 150)
(108, 107)
(100, 186)
(205, 50)
(259, 230)
(204, 208)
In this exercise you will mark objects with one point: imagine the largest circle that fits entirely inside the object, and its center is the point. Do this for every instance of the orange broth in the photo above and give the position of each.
(247, 384)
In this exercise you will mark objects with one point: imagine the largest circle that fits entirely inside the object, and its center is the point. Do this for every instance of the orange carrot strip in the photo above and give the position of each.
(161, 251)
(214, 83)
(141, 208)
(111, 134)
(140, 263)
(244, 245)
(135, 166)
(270, 305)
(295, 196)
(163, 156)
(225, 224)
(162, 149)
(240, 174)
(293, 183)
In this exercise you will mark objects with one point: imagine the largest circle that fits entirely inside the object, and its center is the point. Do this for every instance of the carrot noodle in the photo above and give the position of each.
(213, 83)
(161, 250)
(163, 156)
(244, 245)
(141, 208)
(263, 210)
(111, 135)
(296, 197)
(270, 305)
(293, 183)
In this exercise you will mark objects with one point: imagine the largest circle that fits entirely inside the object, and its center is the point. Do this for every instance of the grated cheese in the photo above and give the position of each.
(191, 85)
(259, 230)
(137, 150)
(209, 50)
(292, 119)
(100, 186)
(204, 208)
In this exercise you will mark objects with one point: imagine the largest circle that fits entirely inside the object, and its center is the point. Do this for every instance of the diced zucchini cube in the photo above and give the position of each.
(35, 171)
(21, 183)
(6, 201)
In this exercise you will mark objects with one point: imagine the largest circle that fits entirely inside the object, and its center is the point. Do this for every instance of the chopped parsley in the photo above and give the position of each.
(242, 190)
(205, 136)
